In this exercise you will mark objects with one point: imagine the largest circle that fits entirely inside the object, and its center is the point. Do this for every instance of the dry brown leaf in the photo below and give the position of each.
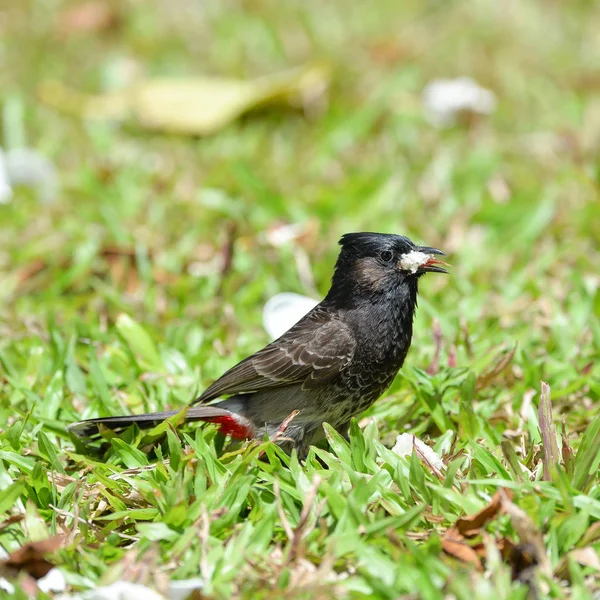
(529, 534)
(486, 378)
(510, 456)
(88, 17)
(196, 106)
(568, 455)
(431, 518)
(471, 525)
(11, 521)
(226, 254)
(419, 536)
(505, 546)
(522, 559)
(592, 535)
(454, 543)
(586, 557)
(452, 360)
(31, 557)
(438, 339)
(122, 267)
(392, 51)
(119, 266)
(31, 270)
(550, 458)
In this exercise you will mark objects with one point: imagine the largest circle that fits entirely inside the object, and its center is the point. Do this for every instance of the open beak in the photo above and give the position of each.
(431, 266)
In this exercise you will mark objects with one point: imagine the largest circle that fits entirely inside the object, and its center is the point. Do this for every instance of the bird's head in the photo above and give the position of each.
(371, 264)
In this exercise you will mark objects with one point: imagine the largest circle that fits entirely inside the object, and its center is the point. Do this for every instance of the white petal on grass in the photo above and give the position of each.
(406, 442)
(444, 99)
(28, 167)
(183, 588)
(284, 310)
(282, 234)
(52, 581)
(5, 187)
(6, 586)
(125, 590)
(122, 590)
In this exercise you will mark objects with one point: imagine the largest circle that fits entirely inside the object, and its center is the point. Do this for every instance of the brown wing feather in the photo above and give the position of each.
(313, 351)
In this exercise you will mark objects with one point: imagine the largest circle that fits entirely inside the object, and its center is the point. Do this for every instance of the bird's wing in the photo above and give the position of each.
(313, 351)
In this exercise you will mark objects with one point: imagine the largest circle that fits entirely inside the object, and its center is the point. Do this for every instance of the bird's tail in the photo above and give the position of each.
(230, 423)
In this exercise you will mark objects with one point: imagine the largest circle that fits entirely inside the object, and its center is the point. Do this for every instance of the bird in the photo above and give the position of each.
(332, 365)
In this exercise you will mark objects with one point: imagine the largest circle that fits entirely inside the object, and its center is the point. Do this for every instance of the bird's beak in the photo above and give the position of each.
(431, 266)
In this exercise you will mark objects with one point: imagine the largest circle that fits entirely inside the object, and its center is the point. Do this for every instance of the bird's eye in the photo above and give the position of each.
(386, 256)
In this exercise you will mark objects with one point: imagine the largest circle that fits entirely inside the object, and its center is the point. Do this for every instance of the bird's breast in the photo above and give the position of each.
(383, 336)
(384, 333)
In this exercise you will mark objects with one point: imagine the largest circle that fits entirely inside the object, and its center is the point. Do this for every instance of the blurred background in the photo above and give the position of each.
(184, 161)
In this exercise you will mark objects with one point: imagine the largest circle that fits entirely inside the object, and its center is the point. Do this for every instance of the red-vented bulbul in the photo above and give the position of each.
(332, 365)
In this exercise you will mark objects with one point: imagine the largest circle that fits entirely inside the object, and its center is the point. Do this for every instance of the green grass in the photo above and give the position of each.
(85, 333)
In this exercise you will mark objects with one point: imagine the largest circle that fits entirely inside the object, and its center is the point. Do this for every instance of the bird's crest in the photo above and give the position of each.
(367, 242)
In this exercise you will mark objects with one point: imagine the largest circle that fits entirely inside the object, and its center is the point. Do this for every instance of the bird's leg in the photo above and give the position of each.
(284, 425)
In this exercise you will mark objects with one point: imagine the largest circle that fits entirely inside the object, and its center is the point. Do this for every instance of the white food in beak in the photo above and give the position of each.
(413, 260)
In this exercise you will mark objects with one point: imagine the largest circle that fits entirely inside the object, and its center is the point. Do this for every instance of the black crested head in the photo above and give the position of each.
(367, 243)
(379, 266)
